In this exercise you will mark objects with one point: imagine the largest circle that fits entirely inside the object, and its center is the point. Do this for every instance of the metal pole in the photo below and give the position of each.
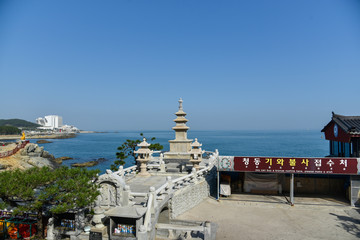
(292, 190)
(218, 186)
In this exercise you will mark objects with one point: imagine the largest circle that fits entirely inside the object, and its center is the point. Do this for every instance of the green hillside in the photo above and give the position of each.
(9, 130)
(18, 123)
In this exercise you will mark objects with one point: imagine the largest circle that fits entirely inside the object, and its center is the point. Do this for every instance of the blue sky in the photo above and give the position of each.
(123, 65)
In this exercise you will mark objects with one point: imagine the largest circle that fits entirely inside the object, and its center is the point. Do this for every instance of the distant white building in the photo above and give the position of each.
(68, 128)
(50, 122)
(55, 123)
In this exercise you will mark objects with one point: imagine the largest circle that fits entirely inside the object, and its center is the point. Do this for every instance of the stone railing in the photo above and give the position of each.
(123, 172)
(153, 167)
(156, 164)
(150, 206)
(173, 185)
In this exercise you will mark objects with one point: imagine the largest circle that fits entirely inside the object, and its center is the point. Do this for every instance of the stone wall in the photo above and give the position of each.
(190, 196)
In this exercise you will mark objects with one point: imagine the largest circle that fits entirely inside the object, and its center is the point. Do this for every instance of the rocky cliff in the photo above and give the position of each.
(30, 156)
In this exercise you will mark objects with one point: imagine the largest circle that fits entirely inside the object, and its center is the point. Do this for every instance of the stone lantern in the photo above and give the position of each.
(196, 154)
(144, 155)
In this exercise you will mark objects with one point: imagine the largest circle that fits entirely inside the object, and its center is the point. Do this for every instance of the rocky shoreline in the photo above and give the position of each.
(30, 156)
(39, 136)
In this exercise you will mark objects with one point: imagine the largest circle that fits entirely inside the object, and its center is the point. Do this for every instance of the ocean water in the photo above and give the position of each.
(91, 146)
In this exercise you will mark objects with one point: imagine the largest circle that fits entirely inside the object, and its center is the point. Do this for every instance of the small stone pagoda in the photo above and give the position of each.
(144, 155)
(196, 154)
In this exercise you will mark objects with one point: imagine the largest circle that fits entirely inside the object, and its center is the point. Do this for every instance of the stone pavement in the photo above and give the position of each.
(141, 184)
(246, 216)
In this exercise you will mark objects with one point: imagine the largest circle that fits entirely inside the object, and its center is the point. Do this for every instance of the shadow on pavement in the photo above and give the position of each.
(350, 223)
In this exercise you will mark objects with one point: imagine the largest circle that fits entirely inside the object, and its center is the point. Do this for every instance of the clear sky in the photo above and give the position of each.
(122, 65)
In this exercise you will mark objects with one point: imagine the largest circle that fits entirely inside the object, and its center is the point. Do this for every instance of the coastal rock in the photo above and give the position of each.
(61, 159)
(39, 150)
(47, 155)
(85, 164)
(30, 147)
(26, 165)
(100, 160)
(30, 156)
(66, 135)
(3, 167)
(39, 162)
(65, 158)
(58, 161)
(43, 141)
(23, 152)
(34, 154)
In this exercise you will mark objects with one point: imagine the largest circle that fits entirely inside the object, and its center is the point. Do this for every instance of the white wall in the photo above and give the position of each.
(51, 121)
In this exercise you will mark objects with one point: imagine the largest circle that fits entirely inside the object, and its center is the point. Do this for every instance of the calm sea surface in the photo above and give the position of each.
(87, 147)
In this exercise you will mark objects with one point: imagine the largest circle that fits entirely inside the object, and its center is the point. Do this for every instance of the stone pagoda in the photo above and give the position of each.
(180, 147)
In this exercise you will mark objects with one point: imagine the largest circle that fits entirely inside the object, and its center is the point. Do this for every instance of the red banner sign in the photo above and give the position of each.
(296, 165)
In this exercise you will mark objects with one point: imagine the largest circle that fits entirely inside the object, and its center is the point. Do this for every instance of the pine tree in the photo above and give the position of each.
(62, 189)
(128, 148)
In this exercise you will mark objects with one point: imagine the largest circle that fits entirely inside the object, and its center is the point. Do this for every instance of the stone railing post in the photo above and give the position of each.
(179, 184)
(170, 184)
(154, 203)
(149, 209)
(126, 196)
(193, 177)
(121, 171)
(162, 163)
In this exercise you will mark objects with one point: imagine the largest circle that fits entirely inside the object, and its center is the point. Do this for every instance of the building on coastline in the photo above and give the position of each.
(55, 123)
(69, 129)
(50, 122)
(343, 133)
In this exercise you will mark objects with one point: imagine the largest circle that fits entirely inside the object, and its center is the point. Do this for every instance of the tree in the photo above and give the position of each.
(128, 148)
(9, 130)
(18, 123)
(62, 189)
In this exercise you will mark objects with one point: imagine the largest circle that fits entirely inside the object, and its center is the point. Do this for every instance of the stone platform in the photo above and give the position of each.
(142, 184)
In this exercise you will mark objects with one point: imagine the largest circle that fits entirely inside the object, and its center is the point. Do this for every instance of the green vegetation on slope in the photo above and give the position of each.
(18, 123)
(9, 130)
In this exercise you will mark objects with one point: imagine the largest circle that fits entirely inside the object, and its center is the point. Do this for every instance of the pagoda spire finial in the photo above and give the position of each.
(180, 104)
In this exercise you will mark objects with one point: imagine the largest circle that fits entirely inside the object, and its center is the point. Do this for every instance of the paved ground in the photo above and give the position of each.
(269, 217)
(143, 184)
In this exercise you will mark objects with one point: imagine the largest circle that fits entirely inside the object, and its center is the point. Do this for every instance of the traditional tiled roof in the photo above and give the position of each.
(350, 124)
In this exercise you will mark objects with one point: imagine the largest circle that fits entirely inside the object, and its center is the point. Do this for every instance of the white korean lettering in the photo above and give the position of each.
(318, 162)
(330, 163)
(343, 162)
